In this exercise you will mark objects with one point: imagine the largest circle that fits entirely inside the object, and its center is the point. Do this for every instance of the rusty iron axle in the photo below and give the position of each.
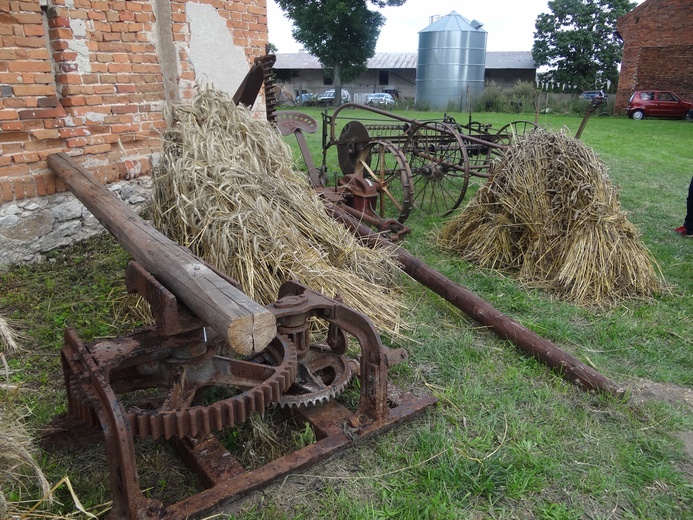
(569, 367)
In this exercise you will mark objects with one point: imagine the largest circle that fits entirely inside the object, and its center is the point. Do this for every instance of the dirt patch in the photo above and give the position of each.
(644, 391)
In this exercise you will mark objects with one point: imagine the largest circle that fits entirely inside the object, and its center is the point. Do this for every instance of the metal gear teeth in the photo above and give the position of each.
(323, 396)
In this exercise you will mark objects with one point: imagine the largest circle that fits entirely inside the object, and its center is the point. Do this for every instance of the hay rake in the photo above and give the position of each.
(417, 164)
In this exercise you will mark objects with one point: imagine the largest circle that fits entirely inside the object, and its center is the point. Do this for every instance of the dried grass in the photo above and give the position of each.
(7, 337)
(17, 464)
(226, 188)
(551, 213)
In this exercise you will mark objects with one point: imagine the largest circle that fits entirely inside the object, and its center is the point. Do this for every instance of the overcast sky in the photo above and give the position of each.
(509, 23)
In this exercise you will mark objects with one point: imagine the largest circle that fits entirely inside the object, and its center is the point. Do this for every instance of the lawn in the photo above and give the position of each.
(509, 437)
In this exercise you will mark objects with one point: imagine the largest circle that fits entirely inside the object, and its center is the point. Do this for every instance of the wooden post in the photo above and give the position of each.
(243, 323)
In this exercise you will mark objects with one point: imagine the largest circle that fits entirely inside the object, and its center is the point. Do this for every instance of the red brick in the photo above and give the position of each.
(43, 154)
(73, 101)
(45, 134)
(25, 157)
(6, 188)
(68, 79)
(11, 126)
(97, 15)
(32, 6)
(73, 132)
(60, 33)
(40, 185)
(29, 66)
(34, 30)
(75, 142)
(49, 179)
(33, 90)
(49, 101)
(30, 187)
(18, 188)
(13, 137)
(58, 22)
(8, 114)
(104, 89)
(124, 109)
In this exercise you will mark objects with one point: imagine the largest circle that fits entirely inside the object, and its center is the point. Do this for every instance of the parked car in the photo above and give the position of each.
(381, 99)
(306, 98)
(592, 94)
(327, 97)
(656, 103)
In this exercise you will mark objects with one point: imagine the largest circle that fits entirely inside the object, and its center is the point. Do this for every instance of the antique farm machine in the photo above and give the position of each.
(403, 163)
(210, 339)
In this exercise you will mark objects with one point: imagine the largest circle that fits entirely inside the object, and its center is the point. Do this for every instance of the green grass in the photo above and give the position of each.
(509, 437)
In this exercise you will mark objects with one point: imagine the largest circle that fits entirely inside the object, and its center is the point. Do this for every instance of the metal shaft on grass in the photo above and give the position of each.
(570, 368)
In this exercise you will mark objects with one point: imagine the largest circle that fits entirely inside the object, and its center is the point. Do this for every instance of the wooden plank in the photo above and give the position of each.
(246, 325)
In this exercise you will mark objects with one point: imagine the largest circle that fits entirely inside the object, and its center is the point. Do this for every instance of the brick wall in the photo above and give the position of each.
(658, 46)
(85, 77)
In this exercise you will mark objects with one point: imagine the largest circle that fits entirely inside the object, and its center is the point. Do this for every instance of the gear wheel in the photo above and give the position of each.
(322, 375)
(166, 391)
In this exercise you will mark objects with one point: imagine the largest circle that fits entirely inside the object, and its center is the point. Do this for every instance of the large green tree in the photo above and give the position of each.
(577, 41)
(341, 33)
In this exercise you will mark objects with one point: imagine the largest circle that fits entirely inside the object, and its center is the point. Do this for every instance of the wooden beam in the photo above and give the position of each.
(246, 325)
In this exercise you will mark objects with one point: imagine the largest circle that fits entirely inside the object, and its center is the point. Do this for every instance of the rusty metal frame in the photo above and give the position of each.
(93, 399)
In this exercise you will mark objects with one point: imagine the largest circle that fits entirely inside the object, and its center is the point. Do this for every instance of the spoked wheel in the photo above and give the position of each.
(439, 163)
(507, 134)
(383, 162)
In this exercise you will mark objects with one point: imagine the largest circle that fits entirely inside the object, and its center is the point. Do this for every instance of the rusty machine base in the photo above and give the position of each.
(109, 387)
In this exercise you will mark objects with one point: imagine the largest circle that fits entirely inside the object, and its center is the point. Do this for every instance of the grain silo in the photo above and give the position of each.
(450, 66)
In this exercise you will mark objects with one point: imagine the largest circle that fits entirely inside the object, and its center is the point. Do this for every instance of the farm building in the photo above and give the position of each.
(658, 45)
(90, 78)
(393, 72)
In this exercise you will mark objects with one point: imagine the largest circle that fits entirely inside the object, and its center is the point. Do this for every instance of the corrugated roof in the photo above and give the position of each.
(510, 60)
(453, 22)
(405, 60)
(381, 60)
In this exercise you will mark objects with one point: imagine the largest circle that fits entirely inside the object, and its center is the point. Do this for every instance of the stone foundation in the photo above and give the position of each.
(30, 228)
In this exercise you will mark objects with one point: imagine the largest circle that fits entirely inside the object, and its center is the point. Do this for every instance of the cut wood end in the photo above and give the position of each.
(251, 334)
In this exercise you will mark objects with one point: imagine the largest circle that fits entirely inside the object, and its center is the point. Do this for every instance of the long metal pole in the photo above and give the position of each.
(570, 368)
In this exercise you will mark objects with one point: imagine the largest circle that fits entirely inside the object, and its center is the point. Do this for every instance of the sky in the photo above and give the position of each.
(509, 23)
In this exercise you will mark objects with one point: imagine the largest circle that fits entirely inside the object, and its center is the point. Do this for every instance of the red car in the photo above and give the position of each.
(657, 103)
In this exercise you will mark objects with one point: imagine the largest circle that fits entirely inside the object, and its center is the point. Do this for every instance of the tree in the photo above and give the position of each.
(577, 40)
(341, 33)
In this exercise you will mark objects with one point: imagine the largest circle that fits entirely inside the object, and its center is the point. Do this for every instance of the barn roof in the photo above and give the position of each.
(406, 60)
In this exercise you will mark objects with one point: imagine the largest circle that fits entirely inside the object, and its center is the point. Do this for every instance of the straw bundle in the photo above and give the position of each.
(551, 214)
(226, 188)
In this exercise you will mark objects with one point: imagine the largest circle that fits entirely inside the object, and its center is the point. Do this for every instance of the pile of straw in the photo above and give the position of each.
(226, 188)
(551, 214)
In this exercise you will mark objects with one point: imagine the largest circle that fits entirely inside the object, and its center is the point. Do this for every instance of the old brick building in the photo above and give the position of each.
(91, 77)
(658, 49)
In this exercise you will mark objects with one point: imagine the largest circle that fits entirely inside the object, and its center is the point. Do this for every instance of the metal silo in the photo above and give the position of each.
(451, 62)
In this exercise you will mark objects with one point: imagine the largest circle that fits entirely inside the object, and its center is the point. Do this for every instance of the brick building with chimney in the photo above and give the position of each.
(658, 49)
(90, 78)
